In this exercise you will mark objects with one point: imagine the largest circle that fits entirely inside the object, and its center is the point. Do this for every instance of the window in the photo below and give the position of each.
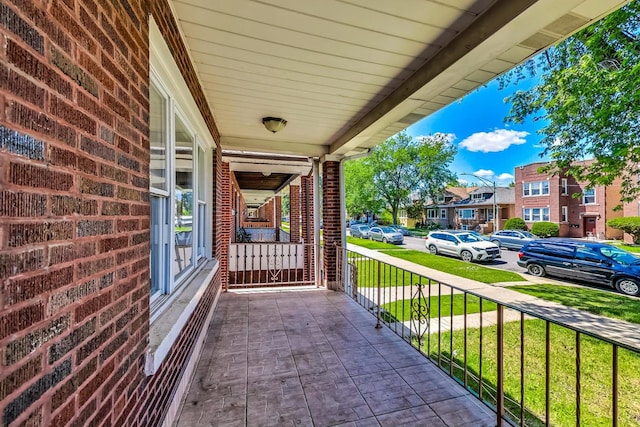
(467, 213)
(589, 196)
(432, 214)
(159, 194)
(535, 214)
(178, 199)
(565, 187)
(443, 214)
(565, 214)
(539, 188)
(477, 196)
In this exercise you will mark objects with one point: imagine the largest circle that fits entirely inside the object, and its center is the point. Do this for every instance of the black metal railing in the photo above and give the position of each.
(531, 369)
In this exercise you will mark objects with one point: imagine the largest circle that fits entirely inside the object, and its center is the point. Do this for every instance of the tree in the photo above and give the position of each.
(360, 194)
(630, 225)
(589, 98)
(395, 169)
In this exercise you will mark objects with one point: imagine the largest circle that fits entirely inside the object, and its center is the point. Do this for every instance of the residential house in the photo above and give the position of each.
(136, 137)
(440, 210)
(579, 210)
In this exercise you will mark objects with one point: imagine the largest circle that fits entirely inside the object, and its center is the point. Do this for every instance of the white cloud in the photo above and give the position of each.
(505, 177)
(484, 173)
(494, 141)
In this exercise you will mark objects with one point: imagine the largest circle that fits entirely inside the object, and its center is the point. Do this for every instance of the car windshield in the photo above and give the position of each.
(529, 235)
(363, 227)
(468, 238)
(388, 230)
(620, 256)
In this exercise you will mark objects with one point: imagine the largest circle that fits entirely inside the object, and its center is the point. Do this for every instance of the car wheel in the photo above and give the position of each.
(384, 240)
(536, 270)
(466, 256)
(433, 249)
(496, 242)
(628, 286)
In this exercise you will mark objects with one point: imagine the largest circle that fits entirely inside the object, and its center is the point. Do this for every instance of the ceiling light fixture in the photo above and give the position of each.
(266, 173)
(274, 124)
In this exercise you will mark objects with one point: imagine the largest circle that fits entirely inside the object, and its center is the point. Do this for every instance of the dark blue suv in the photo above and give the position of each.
(592, 262)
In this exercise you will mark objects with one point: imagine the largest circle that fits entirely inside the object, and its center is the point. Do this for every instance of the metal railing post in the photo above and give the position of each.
(378, 325)
(500, 367)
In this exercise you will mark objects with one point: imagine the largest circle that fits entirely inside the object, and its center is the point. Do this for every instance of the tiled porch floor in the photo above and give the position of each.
(314, 358)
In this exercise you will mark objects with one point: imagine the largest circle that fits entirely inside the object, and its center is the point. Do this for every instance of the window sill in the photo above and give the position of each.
(167, 326)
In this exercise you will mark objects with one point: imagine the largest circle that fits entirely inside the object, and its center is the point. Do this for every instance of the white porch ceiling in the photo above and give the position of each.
(347, 74)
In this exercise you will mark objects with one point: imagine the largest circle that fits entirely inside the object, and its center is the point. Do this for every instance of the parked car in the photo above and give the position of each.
(386, 234)
(359, 230)
(512, 239)
(401, 229)
(473, 232)
(592, 262)
(465, 246)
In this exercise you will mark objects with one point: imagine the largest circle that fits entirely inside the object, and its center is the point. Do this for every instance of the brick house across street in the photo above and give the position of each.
(542, 197)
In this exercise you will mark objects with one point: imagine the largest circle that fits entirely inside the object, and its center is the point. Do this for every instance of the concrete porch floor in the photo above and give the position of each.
(314, 358)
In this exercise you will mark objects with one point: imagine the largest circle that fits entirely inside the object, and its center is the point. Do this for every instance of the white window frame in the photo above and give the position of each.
(432, 213)
(565, 214)
(443, 214)
(585, 196)
(535, 214)
(535, 189)
(463, 213)
(564, 186)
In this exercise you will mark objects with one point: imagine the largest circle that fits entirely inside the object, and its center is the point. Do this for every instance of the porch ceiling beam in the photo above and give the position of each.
(271, 146)
(488, 24)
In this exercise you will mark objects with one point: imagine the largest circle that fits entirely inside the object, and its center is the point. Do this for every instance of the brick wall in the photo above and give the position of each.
(332, 225)
(74, 210)
(306, 208)
(74, 215)
(294, 213)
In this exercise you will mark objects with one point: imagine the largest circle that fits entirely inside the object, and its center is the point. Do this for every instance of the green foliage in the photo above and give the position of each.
(395, 169)
(588, 99)
(629, 224)
(515, 224)
(545, 229)
(415, 211)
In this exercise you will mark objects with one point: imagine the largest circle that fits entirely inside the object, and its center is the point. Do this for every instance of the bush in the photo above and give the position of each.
(515, 224)
(629, 224)
(545, 229)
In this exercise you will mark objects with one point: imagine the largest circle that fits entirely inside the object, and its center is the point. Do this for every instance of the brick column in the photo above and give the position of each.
(294, 212)
(332, 225)
(277, 200)
(306, 208)
(225, 222)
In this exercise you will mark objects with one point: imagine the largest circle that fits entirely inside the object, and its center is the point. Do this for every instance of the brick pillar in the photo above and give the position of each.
(294, 211)
(332, 225)
(225, 222)
(306, 208)
(277, 201)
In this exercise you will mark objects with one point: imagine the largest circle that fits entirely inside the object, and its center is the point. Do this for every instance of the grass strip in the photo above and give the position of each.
(595, 372)
(457, 267)
(401, 310)
(603, 303)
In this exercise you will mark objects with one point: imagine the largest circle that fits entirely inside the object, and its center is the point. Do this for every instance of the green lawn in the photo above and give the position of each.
(370, 272)
(401, 310)
(595, 362)
(285, 226)
(370, 244)
(630, 248)
(457, 267)
(601, 302)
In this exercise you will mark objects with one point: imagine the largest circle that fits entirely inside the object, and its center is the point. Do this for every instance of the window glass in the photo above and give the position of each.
(589, 196)
(183, 197)
(202, 203)
(157, 139)
(159, 244)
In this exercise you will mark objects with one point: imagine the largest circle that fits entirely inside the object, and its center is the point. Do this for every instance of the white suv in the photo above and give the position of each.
(465, 246)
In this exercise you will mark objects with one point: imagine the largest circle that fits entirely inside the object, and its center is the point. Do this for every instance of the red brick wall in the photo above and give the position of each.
(294, 213)
(332, 225)
(74, 215)
(74, 210)
(306, 207)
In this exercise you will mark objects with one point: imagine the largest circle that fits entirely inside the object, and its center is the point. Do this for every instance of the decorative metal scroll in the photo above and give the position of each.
(419, 314)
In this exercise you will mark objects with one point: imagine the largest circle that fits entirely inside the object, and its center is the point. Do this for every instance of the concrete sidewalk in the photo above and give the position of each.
(625, 333)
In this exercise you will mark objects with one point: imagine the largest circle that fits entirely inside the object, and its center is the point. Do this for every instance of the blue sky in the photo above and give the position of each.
(487, 146)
